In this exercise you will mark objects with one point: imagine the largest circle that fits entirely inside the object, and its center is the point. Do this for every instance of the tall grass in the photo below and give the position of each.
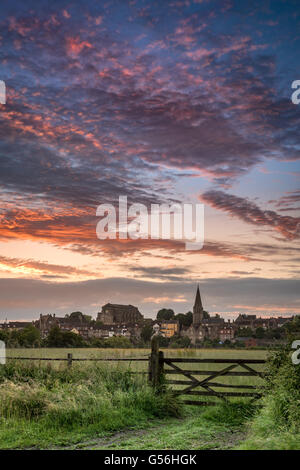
(84, 399)
(142, 366)
(277, 424)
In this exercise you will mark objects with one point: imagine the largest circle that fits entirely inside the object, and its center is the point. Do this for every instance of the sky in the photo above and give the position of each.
(162, 102)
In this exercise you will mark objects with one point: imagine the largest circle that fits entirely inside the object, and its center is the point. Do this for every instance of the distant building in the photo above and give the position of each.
(226, 332)
(114, 322)
(78, 326)
(207, 327)
(245, 321)
(115, 313)
(169, 328)
(127, 321)
(253, 322)
(282, 320)
(129, 330)
(15, 325)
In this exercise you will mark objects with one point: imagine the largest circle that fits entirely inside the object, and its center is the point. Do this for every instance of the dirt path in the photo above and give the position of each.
(176, 434)
(110, 441)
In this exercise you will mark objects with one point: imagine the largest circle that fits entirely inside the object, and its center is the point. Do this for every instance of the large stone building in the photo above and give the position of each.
(116, 320)
(206, 327)
(115, 313)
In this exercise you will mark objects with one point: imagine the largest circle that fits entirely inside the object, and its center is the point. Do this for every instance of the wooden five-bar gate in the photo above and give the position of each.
(209, 386)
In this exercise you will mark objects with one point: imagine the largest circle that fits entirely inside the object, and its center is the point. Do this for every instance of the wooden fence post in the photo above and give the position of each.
(161, 371)
(70, 359)
(156, 362)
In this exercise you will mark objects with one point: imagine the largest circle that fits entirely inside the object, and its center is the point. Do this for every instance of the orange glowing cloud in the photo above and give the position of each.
(74, 45)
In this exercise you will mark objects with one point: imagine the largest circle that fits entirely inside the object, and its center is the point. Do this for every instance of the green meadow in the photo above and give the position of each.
(101, 404)
(141, 368)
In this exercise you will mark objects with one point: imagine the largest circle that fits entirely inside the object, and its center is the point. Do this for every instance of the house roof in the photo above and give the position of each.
(119, 305)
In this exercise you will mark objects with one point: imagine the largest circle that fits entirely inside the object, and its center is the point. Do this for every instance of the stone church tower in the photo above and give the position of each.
(197, 310)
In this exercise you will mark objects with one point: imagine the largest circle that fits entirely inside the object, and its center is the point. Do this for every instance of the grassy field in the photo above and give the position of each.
(45, 404)
(143, 366)
(135, 352)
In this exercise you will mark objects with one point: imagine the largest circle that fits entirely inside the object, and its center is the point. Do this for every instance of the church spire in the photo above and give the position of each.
(198, 302)
(198, 309)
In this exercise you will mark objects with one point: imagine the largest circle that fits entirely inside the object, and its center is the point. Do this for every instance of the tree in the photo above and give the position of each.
(146, 333)
(4, 335)
(179, 342)
(163, 341)
(63, 339)
(29, 336)
(117, 342)
(54, 338)
(206, 315)
(275, 333)
(97, 343)
(165, 314)
(26, 337)
(259, 332)
(293, 327)
(185, 319)
(70, 339)
(88, 318)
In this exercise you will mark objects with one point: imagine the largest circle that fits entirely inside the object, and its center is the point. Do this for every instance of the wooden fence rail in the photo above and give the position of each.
(208, 372)
(70, 359)
(158, 376)
(215, 361)
(115, 359)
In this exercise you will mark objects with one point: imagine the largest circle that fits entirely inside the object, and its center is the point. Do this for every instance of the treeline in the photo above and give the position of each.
(30, 337)
(273, 333)
(184, 319)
